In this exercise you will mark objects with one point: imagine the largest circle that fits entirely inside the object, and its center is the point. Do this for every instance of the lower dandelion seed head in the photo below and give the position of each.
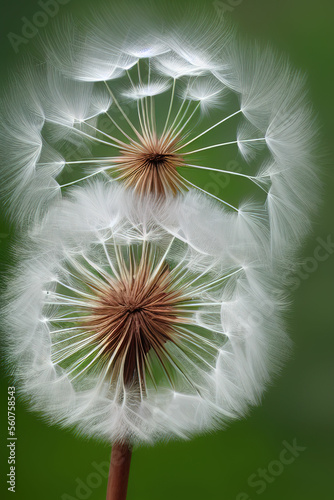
(129, 341)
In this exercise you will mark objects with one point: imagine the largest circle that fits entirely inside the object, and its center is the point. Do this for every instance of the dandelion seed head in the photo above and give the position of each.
(125, 316)
(157, 104)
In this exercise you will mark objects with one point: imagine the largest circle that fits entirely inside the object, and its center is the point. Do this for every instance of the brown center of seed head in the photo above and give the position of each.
(150, 166)
(134, 315)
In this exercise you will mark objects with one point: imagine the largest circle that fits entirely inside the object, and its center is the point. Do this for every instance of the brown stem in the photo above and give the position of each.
(119, 471)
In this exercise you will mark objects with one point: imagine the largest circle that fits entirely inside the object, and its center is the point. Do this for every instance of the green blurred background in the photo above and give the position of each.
(53, 464)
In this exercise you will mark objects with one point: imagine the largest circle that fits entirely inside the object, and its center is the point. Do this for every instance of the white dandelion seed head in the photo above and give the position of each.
(130, 328)
(160, 103)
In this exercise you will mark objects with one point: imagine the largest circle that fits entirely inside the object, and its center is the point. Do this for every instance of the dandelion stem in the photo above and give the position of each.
(119, 471)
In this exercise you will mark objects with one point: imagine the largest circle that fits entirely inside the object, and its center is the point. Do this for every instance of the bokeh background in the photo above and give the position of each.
(54, 464)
